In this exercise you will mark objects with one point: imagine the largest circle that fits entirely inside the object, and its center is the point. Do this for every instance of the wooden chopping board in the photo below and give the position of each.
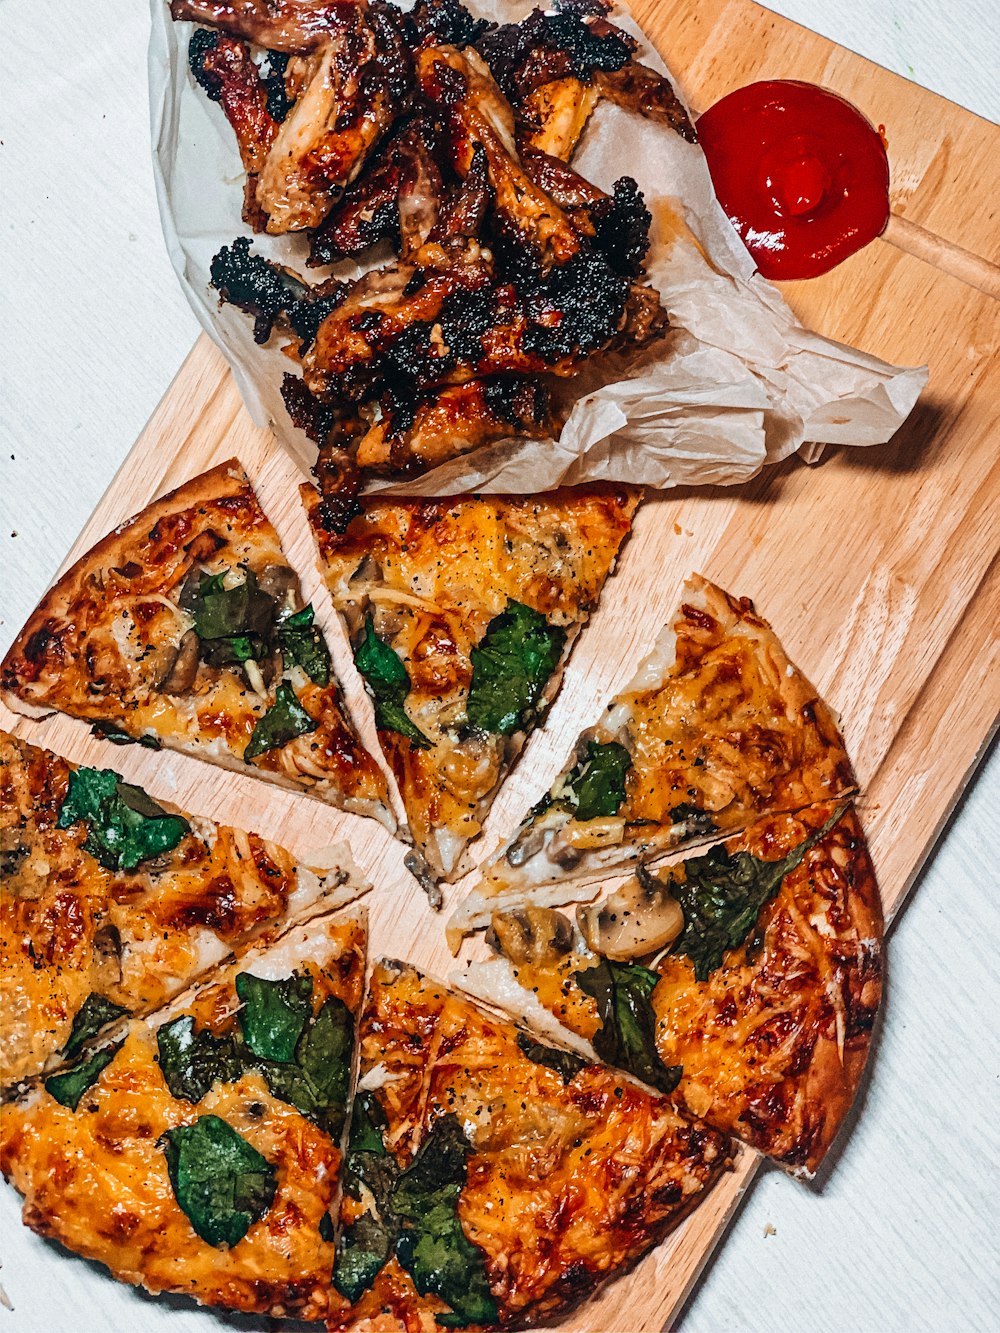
(878, 569)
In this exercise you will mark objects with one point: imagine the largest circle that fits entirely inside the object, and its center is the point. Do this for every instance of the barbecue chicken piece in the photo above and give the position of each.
(280, 25)
(554, 68)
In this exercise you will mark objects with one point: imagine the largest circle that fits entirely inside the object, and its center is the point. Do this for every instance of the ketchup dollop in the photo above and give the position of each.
(802, 175)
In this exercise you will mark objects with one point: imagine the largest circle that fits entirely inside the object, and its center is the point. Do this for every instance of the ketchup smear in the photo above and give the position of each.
(802, 175)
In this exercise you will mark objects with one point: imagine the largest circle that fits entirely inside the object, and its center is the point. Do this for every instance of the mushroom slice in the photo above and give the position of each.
(180, 676)
(537, 935)
(640, 917)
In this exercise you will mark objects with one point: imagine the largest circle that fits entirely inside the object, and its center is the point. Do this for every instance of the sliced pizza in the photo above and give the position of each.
(200, 1153)
(744, 981)
(185, 627)
(492, 1180)
(113, 904)
(462, 613)
(716, 728)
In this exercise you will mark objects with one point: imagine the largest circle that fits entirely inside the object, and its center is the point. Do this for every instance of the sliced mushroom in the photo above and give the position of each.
(278, 581)
(639, 918)
(179, 676)
(369, 571)
(108, 948)
(538, 935)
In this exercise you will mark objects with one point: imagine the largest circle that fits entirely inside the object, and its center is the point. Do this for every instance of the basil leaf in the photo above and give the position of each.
(283, 721)
(108, 731)
(627, 1036)
(274, 1013)
(95, 1012)
(722, 894)
(68, 1087)
(220, 1181)
(388, 682)
(511, 665)
(596, 786)
(124, 826)
(433, 1247)
(302, 644)
(193, 1062)
(567, 1064)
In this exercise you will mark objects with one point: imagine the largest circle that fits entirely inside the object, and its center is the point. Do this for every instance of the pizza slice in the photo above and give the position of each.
(716, 728)
(744, 981)
(113, 904)
(462, 613)
(200, 1153)
(185, 627)
(491, 1180)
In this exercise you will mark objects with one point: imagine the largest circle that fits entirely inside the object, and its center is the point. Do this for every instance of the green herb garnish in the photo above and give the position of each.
(722, 894)
(68, 1087)
(627, 1036)
(511, 666)
(283, 721)
(221, 1182)
(596, 786)
(565, 1063)
(124, 826)
(302, 644)
(95, 1012)
(388, 682)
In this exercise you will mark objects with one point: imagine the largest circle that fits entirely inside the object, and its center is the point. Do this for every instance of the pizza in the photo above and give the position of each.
(716, 728)
(745, 982)
(113, 904)
(185, 627)
(491, 1180)
(462, 613)
(200, 1152)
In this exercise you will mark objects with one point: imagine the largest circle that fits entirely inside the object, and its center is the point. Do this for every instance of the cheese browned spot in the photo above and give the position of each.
(70, 928)
(96, 1178)
(430, 576)
(114, 641)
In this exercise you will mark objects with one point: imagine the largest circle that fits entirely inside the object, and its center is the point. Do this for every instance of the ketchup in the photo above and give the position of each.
(802, 175)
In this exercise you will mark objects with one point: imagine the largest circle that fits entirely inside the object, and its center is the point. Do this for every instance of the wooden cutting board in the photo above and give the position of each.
(877, 568)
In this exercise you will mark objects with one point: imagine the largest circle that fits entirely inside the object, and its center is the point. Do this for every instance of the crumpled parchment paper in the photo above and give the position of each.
(738, 383)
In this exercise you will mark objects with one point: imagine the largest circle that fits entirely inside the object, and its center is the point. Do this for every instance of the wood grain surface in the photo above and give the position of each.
(878, 568)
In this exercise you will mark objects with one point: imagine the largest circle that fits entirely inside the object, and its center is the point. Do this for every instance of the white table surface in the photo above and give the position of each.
(903, 1234)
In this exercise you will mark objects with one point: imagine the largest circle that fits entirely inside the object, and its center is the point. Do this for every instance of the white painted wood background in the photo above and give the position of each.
(902, 1234)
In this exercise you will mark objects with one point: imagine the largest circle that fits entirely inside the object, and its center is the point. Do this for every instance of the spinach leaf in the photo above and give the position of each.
(221, 1182)
(283, 721)
(327, 1231)
(722, 895)
(389, 683)
(433, 1247)
(567, 1064)
(274, 1013)
(366, 1244)
(511, 665)
(316, 1083)
(93, 1014)
(627, 1037)
(242, 613)
(68, 1087)
(124, 826)
(596, 786)
(302, 644)
(109, 731)
(192, 1062)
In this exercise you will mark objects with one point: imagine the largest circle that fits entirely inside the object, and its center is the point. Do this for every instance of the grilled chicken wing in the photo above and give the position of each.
(279, 25)
(321, 147)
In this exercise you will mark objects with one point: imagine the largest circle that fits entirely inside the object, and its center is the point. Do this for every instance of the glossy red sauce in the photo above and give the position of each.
(801, 173)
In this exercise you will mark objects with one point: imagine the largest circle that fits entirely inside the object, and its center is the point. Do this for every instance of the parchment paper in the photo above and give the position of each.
(738, 383)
